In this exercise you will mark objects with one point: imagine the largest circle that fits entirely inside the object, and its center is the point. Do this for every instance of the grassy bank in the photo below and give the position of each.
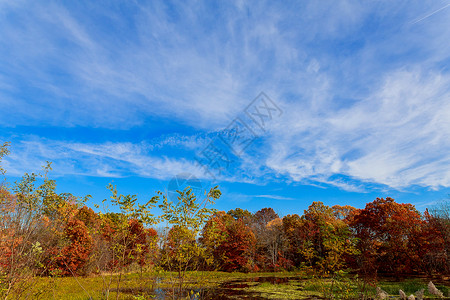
(341, 289)
(282, 285)
(132, 285)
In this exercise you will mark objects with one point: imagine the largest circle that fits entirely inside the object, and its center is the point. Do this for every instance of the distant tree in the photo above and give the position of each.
(276, 246)
(265, 215)
(187, 216)
(72, 257)
(318, 239)
(213, 234)
(88, 217)
(259, 227)
(436, 239)
(238, 248)
(149, 254)
(331, 241)
(298, 239)
(181, 251)
(230, 242)
(388, 234)
(342, 212)
(241, 214)
(124, 233)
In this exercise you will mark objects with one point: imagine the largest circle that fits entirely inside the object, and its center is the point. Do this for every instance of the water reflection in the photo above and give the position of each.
(233, 289)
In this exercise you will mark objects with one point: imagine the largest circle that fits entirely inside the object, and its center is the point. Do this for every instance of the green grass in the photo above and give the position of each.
(340, 289)
(410, 286)
(290, 290)
(135, 284)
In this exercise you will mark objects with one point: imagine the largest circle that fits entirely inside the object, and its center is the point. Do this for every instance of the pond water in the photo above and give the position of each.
(234, 289)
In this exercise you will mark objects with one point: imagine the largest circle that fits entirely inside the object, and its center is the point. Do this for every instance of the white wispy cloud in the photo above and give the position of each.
(399, 136)
(116, 84)
(101, 160)
(274, 197)
(364, 87)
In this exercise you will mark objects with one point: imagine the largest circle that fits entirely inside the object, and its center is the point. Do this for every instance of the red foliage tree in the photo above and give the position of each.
(73, 256)
(318, 239)
(238, 247)
(389, 236)
(88, 216)
(140, 242)
(8, 237)
(435, 241)
(293, 234)
(230, 241)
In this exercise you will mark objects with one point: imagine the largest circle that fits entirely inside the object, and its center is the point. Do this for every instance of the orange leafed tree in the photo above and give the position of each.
(389, 236)
(76, 254)
(230, 241)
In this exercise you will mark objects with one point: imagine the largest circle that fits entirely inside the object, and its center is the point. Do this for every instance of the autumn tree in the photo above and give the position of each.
(230, 242)
(237, 250)
(88, 217)
(187, 216)
(298, 239)
(4, 151)
(342, 212)
(143, 247)
(318, 239)
(332, 240)
(259, 227)
(72, 257)
(28, 213)
(241, 214)
(264, 216)
(181, 251)
(389, 236)
(436, 239)
(213, 234)
(276, 244)
(123, 232)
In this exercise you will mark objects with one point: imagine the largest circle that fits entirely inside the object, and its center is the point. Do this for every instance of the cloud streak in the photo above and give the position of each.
(364, 90)
(397, 136)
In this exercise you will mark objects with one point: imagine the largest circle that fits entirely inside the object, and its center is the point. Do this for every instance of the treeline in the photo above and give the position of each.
(52, 234)
(385, 237)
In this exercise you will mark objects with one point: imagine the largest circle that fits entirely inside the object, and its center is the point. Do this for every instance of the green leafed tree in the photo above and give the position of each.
(124, 233)
(185, 218)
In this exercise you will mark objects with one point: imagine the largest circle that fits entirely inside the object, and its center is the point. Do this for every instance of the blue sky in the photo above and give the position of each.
(134, 92)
